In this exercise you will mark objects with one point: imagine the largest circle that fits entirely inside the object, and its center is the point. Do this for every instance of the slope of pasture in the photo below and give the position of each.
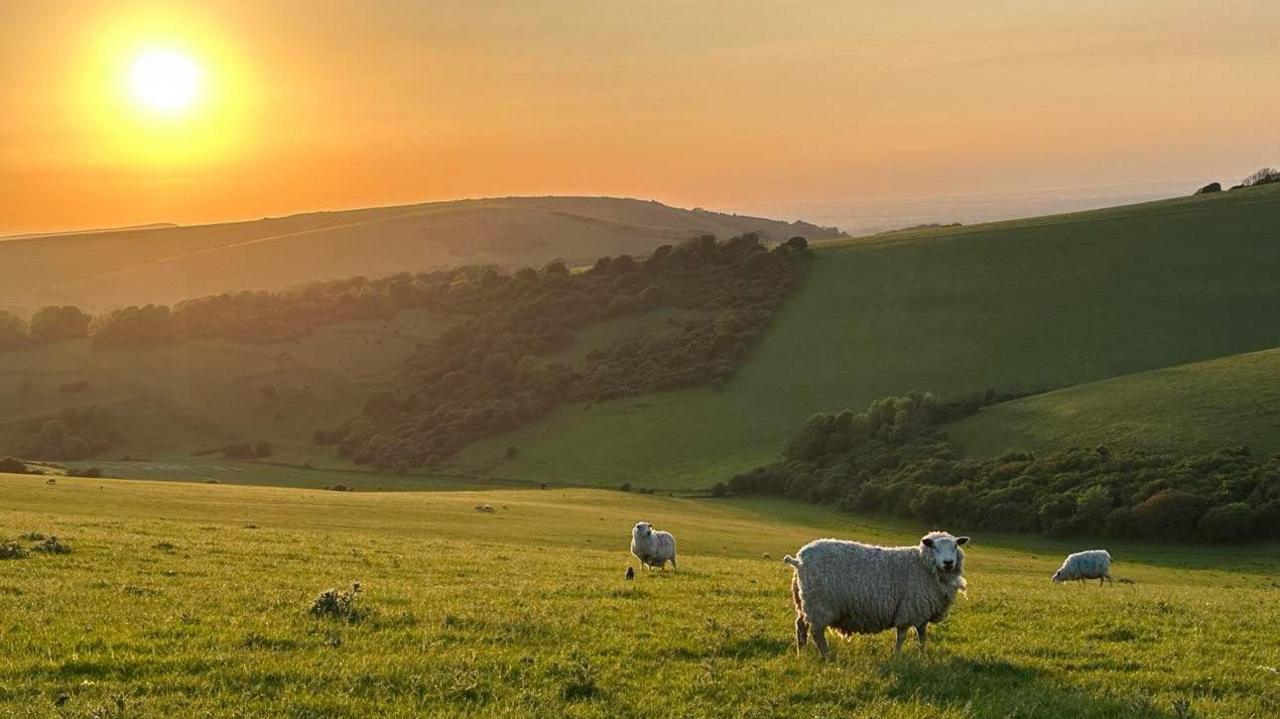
(1027, 305)
(191, 600)
(170, 401)
(105, 269)
(1203, 406)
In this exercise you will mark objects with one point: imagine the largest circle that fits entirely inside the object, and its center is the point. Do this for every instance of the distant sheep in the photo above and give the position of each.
(653, 548)
(1093, 564)
(485, 508)
(864, 589)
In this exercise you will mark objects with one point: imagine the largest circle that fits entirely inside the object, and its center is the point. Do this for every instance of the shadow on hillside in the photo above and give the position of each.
(994, 687)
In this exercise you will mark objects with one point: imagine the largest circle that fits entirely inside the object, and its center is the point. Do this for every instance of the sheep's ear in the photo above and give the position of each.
(962, 540)
(927, 542)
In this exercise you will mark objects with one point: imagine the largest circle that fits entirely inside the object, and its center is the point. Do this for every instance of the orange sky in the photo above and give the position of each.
(737, 104)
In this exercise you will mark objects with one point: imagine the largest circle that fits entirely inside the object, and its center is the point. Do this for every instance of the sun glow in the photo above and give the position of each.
(161, 90)
(165, 81)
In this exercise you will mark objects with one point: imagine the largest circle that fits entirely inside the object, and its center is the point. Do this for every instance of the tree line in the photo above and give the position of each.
(256, 317)
(894, 458)
(489, 374)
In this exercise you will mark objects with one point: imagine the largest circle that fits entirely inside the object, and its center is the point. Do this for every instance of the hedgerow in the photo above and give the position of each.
(896, 458)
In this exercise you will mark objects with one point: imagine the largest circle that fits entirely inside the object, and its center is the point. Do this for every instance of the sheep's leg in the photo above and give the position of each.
(802, 632)
(820, 640)
(922, 635)
(673, 565)
(901, 637)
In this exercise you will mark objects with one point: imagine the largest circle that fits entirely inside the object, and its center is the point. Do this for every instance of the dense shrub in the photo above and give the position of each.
(1228, 523)
(70, 434)
(1170, 514)
(1265, 176)
(13, 331)
(152, 324)
(59, 322)
(484, 376)
(893, 458)
(13, 465)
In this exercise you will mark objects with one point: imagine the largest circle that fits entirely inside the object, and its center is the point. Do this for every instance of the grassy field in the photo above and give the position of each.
(1035, 304)
(191, 600)
(1202, 406)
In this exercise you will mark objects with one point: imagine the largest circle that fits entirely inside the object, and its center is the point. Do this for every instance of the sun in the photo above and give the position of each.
(165, 82)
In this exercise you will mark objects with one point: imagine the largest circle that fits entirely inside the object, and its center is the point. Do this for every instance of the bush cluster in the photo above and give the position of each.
(69, 434)
(893, 458)
(13, 465)
(486, 375)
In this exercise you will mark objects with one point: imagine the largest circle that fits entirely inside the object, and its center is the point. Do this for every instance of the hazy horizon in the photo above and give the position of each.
(854, 216)
(285, 107)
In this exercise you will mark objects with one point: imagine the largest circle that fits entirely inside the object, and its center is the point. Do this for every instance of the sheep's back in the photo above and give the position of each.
(1092, 564)
(862, 588)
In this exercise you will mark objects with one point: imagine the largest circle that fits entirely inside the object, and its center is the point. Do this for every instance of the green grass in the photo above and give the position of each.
(1203, 406)
(191, 600)
(1024, 305)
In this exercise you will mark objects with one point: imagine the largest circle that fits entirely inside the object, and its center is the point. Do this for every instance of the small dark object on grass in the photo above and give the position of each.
(12, 550)
(485, 508)
(337, 603)
(1125, 580)
(250, 526)
(31, 536)
(52, 546)
(51, 480)
(631, 573)
(164, 546)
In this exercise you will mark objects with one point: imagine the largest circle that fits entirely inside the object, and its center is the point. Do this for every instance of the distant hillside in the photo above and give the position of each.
(101, 270)
(1035, 304)
(168, 402)
(1197, 407)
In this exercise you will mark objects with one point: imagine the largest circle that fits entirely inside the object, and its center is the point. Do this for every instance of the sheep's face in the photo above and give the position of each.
(944, 551)
(1058, 576)
(642, 530)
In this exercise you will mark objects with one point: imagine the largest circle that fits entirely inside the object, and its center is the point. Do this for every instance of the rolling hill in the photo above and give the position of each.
(102, 270)
(169, 402)
(1202, 406)
(1035, 304)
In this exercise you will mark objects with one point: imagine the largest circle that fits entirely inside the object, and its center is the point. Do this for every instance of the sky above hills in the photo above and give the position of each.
(120, 113)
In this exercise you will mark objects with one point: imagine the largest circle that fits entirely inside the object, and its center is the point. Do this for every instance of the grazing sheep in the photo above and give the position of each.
(1093, 564)
(485, 508)
(864, 589)
(653, 548)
